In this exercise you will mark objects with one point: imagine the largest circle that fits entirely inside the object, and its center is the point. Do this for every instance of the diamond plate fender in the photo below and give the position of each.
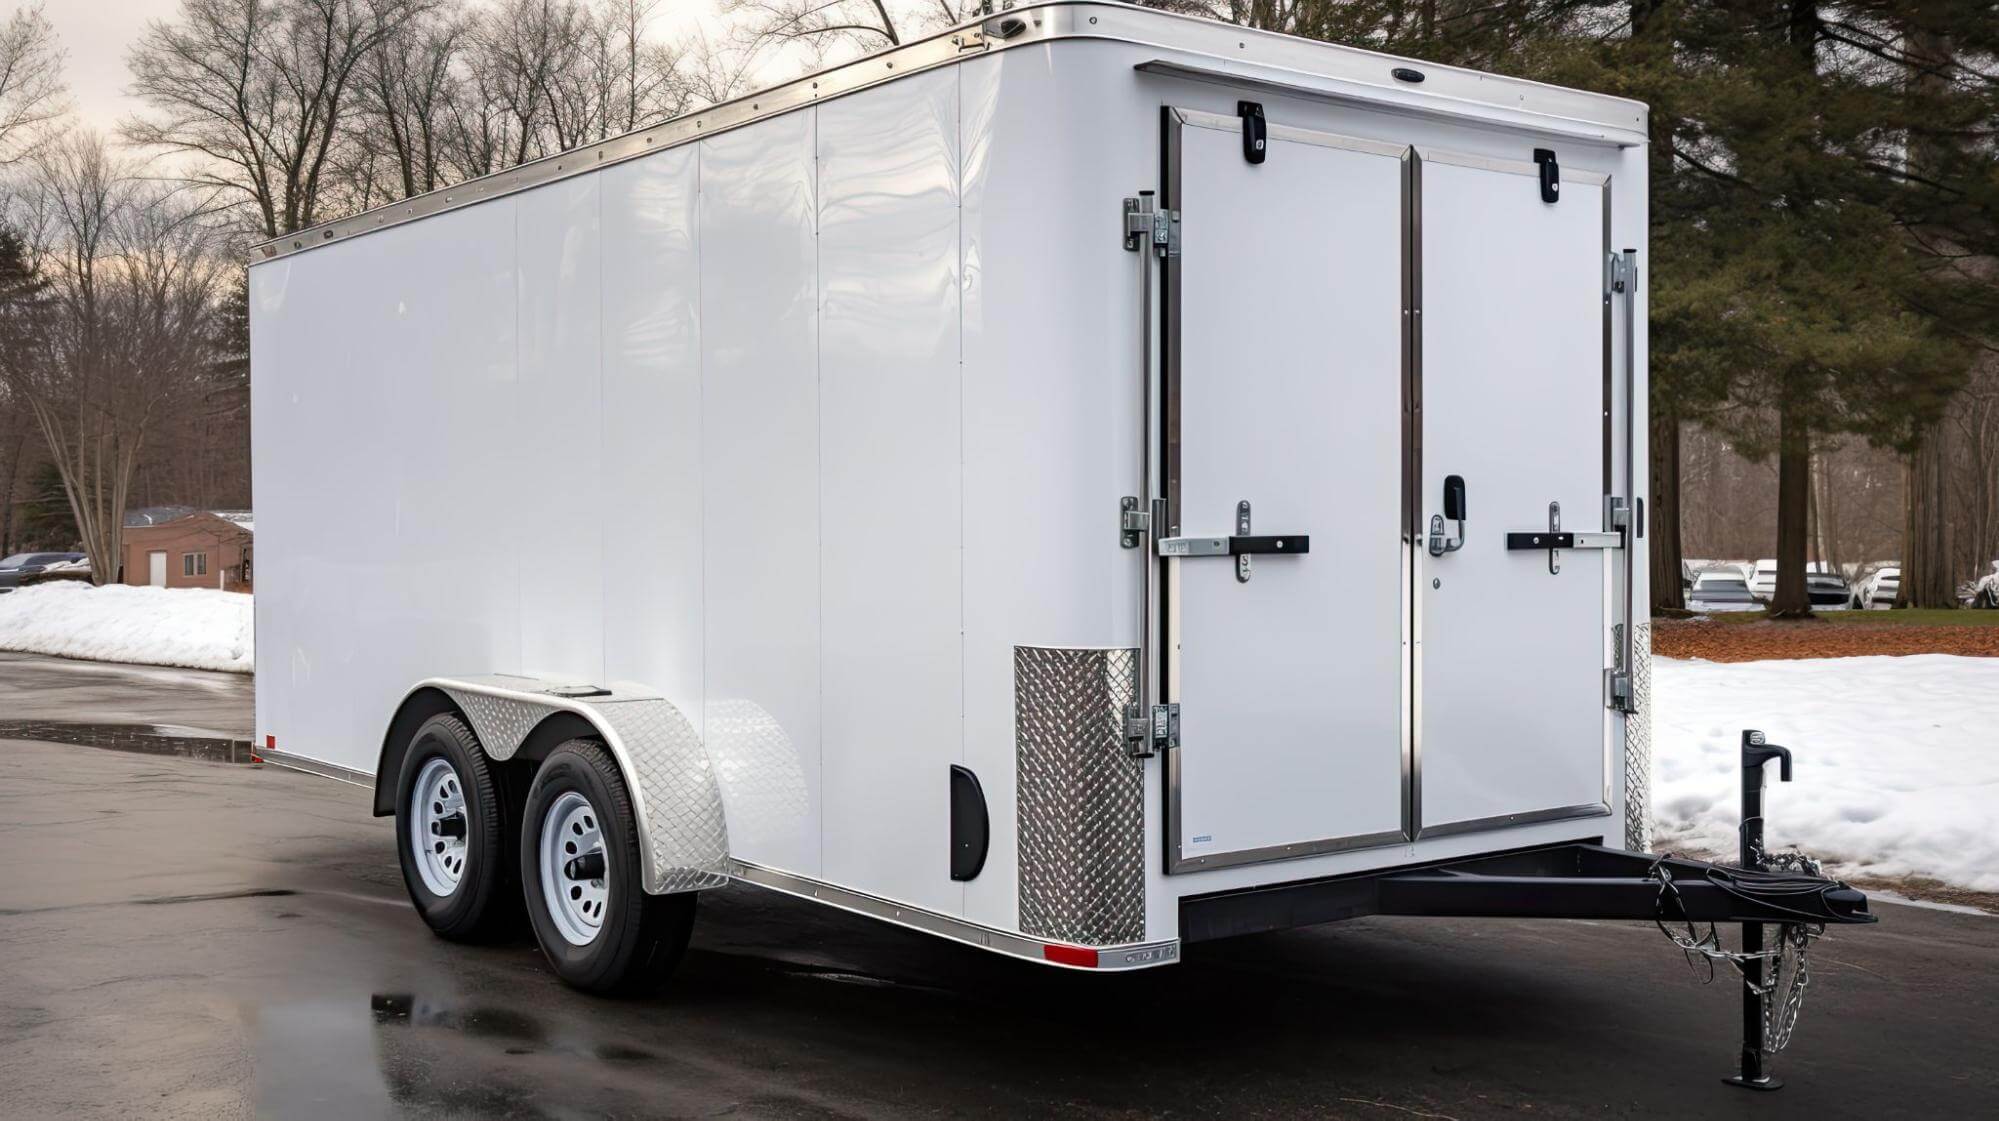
(684, 833)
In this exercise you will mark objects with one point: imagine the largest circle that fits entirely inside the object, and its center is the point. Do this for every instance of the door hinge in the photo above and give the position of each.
(1146, 736)
(1617, 691)
(1145, 225)
(1133, 523)
(1620, 273)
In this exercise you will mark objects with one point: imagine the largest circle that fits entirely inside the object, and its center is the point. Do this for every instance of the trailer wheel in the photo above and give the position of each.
(580, 871)
(452, 834)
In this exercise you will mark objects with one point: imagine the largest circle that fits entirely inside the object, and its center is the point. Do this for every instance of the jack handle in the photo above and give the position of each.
(1756, 752)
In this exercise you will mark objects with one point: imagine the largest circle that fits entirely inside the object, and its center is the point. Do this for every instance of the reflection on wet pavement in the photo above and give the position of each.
(152, 739)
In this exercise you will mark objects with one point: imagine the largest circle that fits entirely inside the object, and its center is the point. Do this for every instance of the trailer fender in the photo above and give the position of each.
(683, 835)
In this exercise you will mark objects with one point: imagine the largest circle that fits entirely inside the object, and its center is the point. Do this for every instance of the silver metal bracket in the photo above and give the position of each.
(1242, 530)
(1146, 226)
(1133, 523)
(1617, 513)
(1441, 544)
(1617, 692)
(1137, 730)
(1146, 735)
(1621, 271)
(1166, 726)
(1554, 527)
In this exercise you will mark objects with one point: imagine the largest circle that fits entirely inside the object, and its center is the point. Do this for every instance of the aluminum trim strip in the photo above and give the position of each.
(1556, 128)
(1121, 956)
(1412, 375)
(1365, 72)
(1508, 821)
(315, 768)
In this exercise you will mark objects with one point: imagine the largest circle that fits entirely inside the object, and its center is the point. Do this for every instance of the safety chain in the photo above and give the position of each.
(1791, 973)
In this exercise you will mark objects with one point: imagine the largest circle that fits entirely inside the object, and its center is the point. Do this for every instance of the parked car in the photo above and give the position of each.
(1985, 591)
(1763, 581)
(1721, 591)
(14, 569)
(1877, 592)
(1830, 592)
(78, 569)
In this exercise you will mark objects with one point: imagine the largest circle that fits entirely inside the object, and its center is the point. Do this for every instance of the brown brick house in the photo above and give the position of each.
(195, 549)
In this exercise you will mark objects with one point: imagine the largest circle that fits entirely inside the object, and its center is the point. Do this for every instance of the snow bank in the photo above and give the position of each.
(1897, 760)
(194, 627)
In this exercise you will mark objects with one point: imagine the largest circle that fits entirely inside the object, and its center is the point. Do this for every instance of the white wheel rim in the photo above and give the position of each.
(439, 826)
(571, 829)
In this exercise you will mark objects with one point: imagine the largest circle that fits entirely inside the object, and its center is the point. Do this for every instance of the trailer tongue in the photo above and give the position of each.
(1580, 880)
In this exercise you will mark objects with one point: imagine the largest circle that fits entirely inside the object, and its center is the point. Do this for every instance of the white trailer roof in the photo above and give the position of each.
(1192, 48)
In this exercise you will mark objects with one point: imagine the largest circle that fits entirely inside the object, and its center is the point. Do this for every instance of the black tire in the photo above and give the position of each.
(641, 937)
(485, 903)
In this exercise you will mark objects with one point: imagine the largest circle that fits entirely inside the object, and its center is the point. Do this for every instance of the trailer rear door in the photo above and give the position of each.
(1284, 417)
(1511, 382)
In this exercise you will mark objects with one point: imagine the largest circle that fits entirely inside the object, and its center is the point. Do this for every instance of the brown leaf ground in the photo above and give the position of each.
(1754, 639)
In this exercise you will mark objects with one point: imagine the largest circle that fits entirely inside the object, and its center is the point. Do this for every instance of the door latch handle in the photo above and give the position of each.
(1236, 546)
(1454, 510)
(1241, 545)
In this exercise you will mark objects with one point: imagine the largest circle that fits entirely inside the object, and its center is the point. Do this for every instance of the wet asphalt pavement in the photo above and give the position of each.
(187, 938)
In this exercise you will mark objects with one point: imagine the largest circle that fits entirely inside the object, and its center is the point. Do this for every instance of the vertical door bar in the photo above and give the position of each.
(1412, 491)
(1168, 433)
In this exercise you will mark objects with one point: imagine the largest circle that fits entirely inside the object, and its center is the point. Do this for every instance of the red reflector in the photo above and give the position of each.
(1070, 955)
(270, 743)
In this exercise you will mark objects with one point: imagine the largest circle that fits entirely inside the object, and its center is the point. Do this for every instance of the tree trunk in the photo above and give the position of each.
(17, 439)
(1926, 575)
(1794, 481)
(1664, 518)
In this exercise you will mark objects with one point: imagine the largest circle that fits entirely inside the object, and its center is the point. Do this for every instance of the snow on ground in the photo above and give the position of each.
(1896, 761)
(194, 627)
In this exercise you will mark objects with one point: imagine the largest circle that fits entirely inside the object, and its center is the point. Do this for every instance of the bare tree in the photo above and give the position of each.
(32, 94)
(257, 92)
(404, 93)
(824, 29)
(125, 332)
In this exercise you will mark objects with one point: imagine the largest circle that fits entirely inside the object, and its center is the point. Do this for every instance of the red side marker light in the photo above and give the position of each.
(270, 743)
(1070, 955)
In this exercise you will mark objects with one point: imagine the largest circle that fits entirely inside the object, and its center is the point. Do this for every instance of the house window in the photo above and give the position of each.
(194, 564)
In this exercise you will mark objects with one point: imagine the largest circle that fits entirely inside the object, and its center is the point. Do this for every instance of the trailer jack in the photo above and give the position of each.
(1583, 880)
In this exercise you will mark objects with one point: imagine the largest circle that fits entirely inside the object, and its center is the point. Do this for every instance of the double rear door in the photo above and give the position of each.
(1348, 324)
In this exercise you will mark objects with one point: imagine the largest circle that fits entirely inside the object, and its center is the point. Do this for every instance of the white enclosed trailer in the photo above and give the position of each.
(1084, 481)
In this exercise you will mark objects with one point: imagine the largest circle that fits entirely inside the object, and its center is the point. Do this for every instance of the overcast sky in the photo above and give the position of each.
(96, 34)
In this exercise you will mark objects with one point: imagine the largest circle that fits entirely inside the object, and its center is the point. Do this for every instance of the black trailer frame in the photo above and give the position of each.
(1584, 879)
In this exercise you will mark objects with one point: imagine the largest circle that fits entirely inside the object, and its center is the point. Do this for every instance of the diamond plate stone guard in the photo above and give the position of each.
(1638, 745)
(1081, 795)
